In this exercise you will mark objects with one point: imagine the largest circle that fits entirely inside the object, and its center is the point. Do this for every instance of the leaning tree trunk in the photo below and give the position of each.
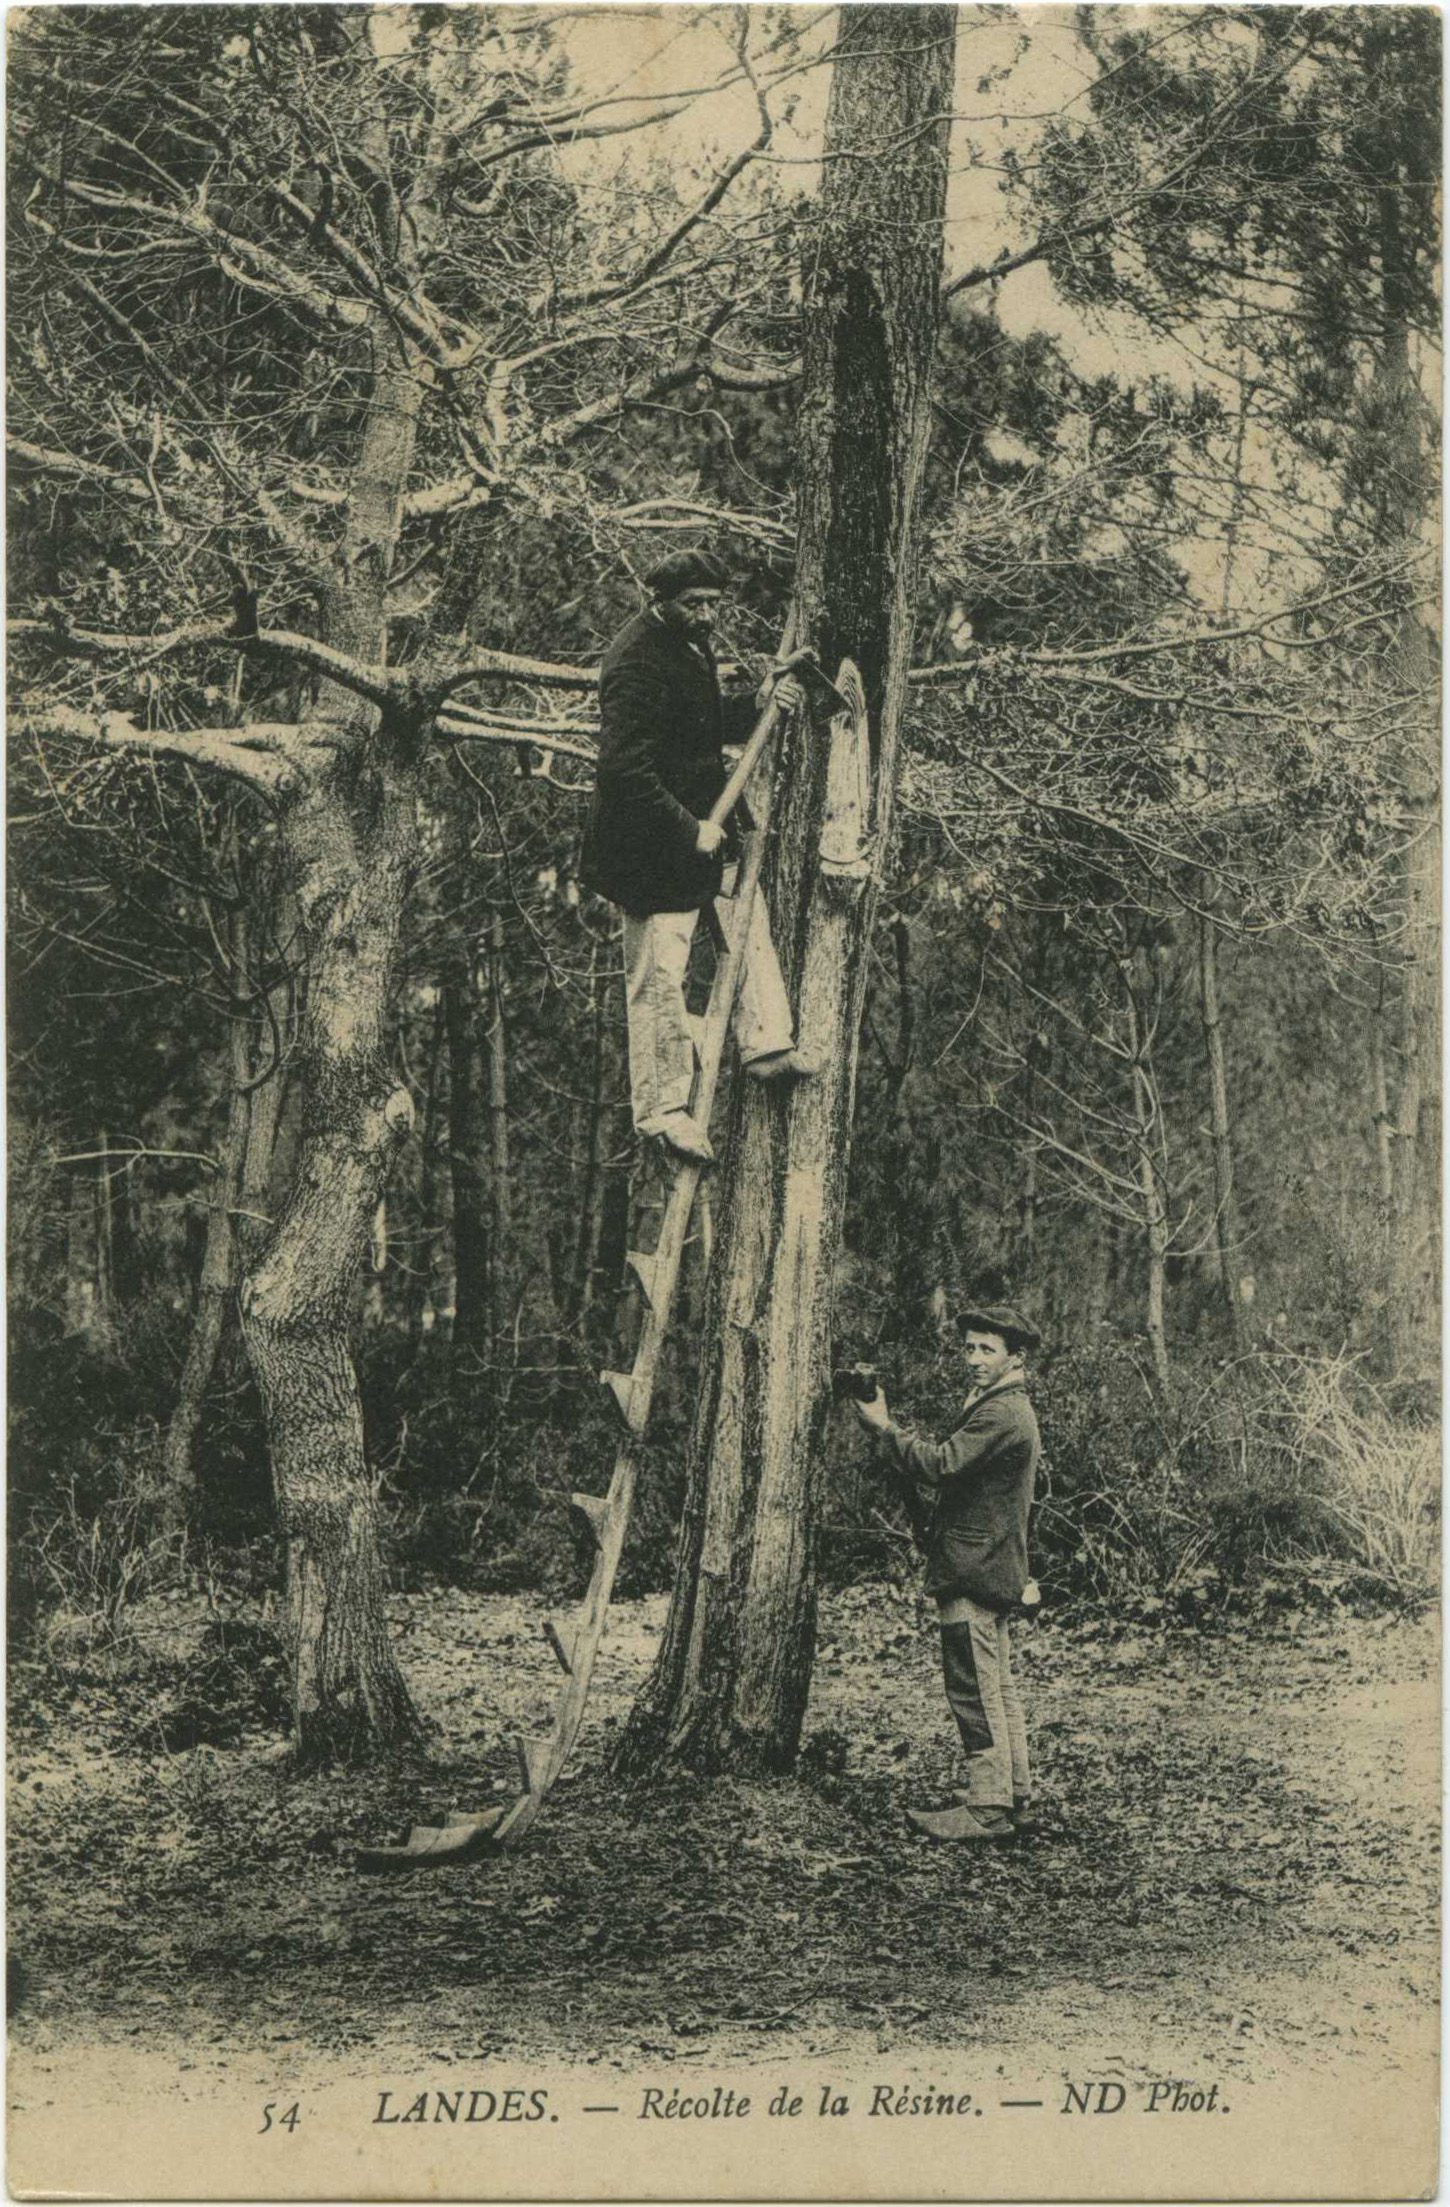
(729, 1689)
(350, 844)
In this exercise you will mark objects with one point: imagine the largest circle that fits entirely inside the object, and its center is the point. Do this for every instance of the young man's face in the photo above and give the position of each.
(695, 612)
(987, 1358)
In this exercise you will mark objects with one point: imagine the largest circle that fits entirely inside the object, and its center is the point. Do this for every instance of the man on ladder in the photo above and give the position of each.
(651, 848)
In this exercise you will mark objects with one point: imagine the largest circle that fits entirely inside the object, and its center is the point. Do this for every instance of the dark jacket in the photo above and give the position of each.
(982, 1479)
(663, 722)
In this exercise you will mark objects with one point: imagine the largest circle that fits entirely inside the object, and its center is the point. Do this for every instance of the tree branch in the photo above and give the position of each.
(1066, 233)
(459, 726)
(378, 685)
(1151, 647)
(606, 294)
(262, 753)
(509, 667)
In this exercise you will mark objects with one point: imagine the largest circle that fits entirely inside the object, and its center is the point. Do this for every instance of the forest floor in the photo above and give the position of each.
(1239, 1860)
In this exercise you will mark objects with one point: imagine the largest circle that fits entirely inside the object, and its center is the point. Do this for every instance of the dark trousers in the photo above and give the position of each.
(976, 1656)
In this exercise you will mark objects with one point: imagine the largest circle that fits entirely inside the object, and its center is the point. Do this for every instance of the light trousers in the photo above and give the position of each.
(976, 1651)
(664, 1037)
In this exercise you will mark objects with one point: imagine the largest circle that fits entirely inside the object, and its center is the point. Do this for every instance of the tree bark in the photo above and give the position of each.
(730, 1687)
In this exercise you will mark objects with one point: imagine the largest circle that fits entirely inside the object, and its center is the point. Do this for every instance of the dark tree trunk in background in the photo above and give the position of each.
(424, 1297)
(495, 1050)
(1380, 1118)
(119, 1236)
(80, 1284)
(216, 1284)
(590, 1126)
(730, 1687)
(1226, 1235)
(468, 1169)
(616, 1203)
(1148, 1122)
(1036, 1056)
(238, 1208)
(478, 1140)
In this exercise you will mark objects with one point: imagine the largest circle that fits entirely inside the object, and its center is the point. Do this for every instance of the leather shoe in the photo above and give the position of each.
(783, 1065)
(1026, 1821)
(679, 1132)
(960, 1822)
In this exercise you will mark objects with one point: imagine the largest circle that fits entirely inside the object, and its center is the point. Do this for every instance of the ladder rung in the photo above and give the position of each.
(593, 1513)
(531, 1759)
(621, 1386)
(551, 1634)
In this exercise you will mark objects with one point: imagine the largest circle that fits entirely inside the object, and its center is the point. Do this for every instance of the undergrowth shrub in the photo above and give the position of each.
(1268, 1466)
(82, 1554)
(1373, 1472)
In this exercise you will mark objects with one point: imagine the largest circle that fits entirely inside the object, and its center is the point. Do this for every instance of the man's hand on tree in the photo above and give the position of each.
(708, 838)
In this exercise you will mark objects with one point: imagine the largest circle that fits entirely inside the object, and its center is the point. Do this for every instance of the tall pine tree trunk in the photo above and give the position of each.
(424, 1287)
(729, 1689)
(479, 1157)
(1149, 1146)
(1225, 1203)
(350, 846)
(1379, 1089)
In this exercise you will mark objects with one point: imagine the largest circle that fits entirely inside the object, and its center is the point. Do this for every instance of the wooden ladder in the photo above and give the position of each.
(604, 1518)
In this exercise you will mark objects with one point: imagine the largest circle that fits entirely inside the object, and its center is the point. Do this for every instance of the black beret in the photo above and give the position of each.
(686, 571)
(1018, 1332)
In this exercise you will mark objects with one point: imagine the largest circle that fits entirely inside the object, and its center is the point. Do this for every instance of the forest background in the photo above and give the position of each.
(1150, 1040)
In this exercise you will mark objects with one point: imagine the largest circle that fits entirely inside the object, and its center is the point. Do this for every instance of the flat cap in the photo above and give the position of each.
(686, 571)
(1018, 1332)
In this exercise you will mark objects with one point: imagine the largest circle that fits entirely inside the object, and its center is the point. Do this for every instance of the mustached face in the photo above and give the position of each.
(695, 612)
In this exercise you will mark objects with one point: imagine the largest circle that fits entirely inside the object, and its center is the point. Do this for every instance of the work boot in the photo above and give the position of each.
(685, 1136)
(961, 1822)
(783, 1065)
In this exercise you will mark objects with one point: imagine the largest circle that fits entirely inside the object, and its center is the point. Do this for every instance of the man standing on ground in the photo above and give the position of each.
(976, 1549)
(651, 849)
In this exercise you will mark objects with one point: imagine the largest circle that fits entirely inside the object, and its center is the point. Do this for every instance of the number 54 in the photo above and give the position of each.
(289, 2121)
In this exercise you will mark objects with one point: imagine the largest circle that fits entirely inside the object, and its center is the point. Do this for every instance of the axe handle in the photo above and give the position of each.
(803, 663)
(745, 765)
